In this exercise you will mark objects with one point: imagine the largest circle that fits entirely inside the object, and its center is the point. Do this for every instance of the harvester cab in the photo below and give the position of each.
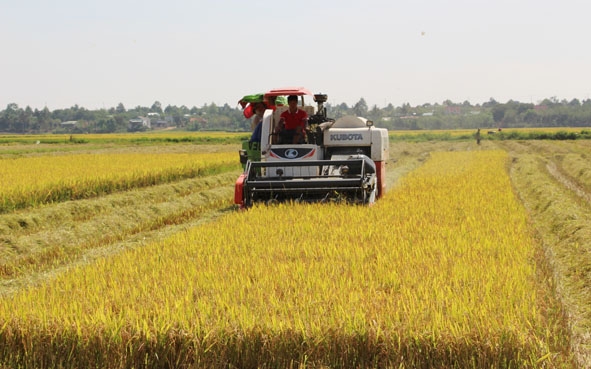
(338, 160)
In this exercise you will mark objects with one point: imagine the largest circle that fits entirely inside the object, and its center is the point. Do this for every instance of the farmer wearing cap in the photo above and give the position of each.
(292, 123)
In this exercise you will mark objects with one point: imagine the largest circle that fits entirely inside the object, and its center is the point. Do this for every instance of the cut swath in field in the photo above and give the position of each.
(552, 184)
(42, 239)
(439, 273)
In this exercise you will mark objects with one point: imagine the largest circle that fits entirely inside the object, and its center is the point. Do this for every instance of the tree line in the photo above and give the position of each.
(549, 112)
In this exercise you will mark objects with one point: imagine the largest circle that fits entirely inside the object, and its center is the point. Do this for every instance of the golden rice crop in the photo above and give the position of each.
(161, 136)
(29, 181)
(440, 273)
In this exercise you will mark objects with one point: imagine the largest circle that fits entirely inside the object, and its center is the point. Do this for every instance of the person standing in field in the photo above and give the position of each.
(478, 136)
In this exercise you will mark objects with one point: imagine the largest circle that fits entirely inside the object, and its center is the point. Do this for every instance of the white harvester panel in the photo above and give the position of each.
(347, 137)
(380, 144)
(294, 153)
(351, 131)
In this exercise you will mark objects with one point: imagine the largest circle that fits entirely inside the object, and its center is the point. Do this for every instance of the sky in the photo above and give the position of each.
(97, 54)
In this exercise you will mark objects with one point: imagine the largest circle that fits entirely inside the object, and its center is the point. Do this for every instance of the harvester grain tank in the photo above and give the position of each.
(339, 160)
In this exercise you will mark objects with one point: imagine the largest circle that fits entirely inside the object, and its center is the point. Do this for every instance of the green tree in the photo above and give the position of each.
(176, 113)
(27, 119)
(575, 103)
(211, 109)
(106, 125)
(120, 109)
(43, 120)
(498, 113)
(375, 114)
(156, 108)
(9, 120)
(405, 109)
(389, 110)
(360, 108)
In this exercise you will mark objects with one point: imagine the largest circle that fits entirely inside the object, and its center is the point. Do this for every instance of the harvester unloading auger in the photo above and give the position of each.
(339, 160)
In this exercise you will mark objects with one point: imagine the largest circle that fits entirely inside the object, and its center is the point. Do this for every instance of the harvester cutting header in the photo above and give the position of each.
(297, 153)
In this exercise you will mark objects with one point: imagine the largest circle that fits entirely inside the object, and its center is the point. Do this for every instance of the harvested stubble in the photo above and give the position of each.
(438, 274)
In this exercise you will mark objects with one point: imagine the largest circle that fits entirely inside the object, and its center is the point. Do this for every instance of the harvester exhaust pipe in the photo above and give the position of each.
(320, 99)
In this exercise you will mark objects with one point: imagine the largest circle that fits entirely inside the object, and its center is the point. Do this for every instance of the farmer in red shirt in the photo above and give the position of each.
(292, 123)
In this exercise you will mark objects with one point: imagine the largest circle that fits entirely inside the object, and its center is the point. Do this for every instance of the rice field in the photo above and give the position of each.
(31, 181)
(444, 272)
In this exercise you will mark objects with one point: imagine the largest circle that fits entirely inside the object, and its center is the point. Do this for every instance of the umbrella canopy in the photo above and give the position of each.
(286, 91)
(248, 101)
(251, 99)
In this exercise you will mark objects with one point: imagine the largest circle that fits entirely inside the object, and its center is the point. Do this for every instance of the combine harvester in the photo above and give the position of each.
(339, 160)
